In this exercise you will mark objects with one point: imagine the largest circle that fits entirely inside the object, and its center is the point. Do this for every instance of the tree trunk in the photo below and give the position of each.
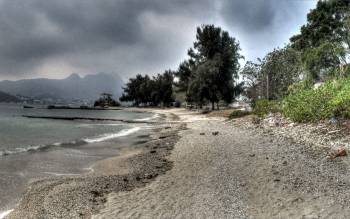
(267, 87)
(212, 105)
(217, 105)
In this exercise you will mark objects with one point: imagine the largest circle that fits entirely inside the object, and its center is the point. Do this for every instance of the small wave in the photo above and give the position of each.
(99, 124)
(101, 138)
(106, 137)
(148, 118)
(34, 148)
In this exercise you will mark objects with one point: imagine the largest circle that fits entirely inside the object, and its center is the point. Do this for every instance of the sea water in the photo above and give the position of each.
(32, 148)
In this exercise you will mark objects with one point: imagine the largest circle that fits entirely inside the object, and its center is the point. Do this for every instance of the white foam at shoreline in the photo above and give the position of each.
(97, 139)
(5, 213)
(106, 137)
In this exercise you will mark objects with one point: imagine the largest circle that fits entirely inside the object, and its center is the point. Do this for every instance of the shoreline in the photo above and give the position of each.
(201, 167)
(82, 196)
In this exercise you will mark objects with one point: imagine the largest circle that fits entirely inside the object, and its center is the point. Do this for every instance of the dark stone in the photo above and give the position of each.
(153, 151)
(95, 193)
(215, 133)
(148, 176)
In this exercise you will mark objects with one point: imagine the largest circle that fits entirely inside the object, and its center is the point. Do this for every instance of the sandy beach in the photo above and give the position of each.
(201, 167)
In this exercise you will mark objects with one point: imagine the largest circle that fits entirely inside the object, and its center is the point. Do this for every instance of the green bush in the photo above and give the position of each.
(263, 107)
(330, 100)
(238, 114)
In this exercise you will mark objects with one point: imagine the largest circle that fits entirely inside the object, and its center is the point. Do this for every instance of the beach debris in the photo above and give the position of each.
(242, 184)
(256, 120)
(215, 133)
(333, 132)
(96, 193)
(340, 152)
(153, 151)
(251, 155)
(148, 176)
(333, 121)
(202, 133)
(285, 163)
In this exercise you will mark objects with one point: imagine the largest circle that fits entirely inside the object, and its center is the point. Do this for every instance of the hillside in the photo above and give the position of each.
(4, 97)
(71, 88)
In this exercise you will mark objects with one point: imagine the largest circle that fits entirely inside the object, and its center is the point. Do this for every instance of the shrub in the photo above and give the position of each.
(309, 105)
(263, 107)
(340, 103)
(238, 114)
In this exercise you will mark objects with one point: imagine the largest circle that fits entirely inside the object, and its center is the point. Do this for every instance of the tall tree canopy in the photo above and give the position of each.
(213, 66)
(324, 41)
(271, 76)
(150, 91)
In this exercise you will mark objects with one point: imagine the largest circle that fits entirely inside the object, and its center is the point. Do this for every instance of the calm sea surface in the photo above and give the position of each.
(31, 148)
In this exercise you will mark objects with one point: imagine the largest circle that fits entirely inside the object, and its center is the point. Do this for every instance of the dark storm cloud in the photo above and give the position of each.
(250, 15)
(53, 38)
(265, 24)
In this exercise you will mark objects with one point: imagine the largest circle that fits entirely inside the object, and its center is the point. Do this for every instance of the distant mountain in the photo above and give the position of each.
(73, 87)
(4, 97)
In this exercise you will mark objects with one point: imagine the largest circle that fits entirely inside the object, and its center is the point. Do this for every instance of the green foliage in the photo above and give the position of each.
(300, 86)
(322, 61)
(271, 77)
(150, 91)
(324, 40)
(212, 68)
(106, 100)
(263, 107)
(330, 100)
(238, 114)
(325, 23)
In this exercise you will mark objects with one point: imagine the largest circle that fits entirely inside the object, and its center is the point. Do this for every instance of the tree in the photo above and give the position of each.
(271, 76)
(325, 23)
(106, 100)
(251, 75)
(324, 41)
(184, 74)
(322, 62)
(212, 68)
(150, 91)
(164, 88)
(138, 90)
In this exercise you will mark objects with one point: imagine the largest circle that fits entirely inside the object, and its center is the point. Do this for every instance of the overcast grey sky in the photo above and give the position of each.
(54, 38)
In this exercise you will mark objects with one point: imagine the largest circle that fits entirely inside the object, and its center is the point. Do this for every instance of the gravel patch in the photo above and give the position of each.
(242, 172)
